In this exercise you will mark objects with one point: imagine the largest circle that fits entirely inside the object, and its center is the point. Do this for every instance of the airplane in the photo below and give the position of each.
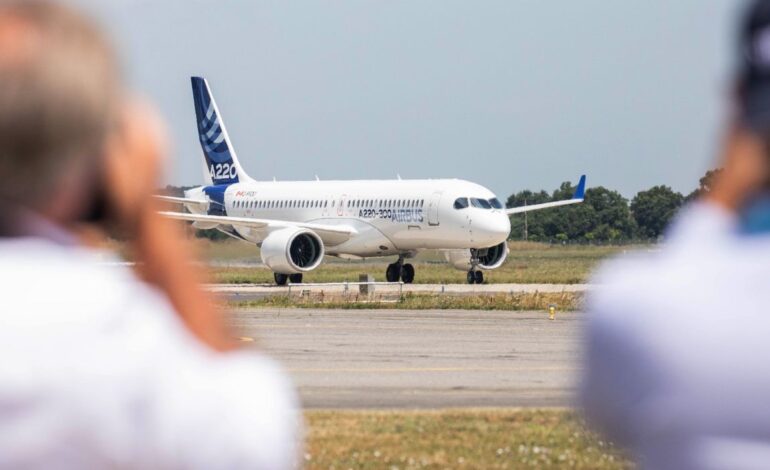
(296, 223)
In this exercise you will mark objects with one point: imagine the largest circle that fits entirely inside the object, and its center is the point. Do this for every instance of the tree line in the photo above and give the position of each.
(605, 216)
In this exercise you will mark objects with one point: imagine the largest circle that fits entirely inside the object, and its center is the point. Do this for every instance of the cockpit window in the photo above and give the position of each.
(495, 203)
(461, 203)
(480, 203)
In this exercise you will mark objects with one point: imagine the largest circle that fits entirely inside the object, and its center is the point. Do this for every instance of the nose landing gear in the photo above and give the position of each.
(475, 276)
(399, 270)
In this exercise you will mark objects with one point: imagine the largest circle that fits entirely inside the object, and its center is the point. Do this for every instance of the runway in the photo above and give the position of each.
(421, 359)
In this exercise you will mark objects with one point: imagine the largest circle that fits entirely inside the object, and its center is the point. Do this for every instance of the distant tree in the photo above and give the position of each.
(706, 183)
(533, 220)
(612, 217)
(603, 216)
(653, 209)
(527, 197)
(547, 225)
(572, 222)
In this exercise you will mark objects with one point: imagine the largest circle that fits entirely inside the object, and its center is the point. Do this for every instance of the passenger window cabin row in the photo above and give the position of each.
(305, 204)
(282, 204)
(386, 203)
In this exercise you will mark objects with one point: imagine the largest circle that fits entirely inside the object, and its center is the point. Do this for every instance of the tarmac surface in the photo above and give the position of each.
(421, 359)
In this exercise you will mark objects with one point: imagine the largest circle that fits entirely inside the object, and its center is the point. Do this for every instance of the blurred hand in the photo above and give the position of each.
(164, 255)
(135, 153)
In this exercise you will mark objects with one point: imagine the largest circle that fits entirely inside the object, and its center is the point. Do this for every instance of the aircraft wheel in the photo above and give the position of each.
(281, 279)
(407, 273)
(479, 277)
(471, 277)
(392, 273)
(296, 278)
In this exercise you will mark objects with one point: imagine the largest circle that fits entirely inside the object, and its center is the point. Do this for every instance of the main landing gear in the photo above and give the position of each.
(475, 277)
(282, 279)
(399, 270)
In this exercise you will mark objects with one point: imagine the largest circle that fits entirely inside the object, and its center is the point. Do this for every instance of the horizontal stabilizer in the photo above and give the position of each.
(330, 234)
(183, 200)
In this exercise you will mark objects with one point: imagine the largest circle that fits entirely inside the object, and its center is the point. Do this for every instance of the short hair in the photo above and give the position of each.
(59, 92)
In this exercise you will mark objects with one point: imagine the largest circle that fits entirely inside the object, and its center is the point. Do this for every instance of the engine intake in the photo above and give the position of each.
(488, 258)
(292, 250)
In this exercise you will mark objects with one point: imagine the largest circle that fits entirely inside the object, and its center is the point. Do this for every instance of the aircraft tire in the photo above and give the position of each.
(407, 273)
(295, 278)
(281, 279)
(392, 273)
(471, 277)
(479, 277)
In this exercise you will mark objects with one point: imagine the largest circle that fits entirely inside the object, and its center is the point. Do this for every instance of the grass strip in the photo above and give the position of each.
(563, 301)
(463, 439)
(528, 263)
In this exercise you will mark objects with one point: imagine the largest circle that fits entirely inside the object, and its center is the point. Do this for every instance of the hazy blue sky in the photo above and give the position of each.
(510, 94)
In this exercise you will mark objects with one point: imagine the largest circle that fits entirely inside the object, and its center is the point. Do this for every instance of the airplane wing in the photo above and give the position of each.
(183, 200)
(576, 199)
(330, 234)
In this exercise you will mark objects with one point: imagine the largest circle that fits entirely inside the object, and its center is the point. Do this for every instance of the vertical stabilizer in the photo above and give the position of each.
(221, 165)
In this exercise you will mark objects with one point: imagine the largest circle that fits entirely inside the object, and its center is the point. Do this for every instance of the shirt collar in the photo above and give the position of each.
(26, 223)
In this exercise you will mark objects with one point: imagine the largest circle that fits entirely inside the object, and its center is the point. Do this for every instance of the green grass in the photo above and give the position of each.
(462, 439)
(563, 301)
(528, 263)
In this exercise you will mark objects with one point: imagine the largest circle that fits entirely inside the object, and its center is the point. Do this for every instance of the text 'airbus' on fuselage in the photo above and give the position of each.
(296, 223)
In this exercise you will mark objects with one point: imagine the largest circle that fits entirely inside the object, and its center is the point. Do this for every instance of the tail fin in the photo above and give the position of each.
(221, 163)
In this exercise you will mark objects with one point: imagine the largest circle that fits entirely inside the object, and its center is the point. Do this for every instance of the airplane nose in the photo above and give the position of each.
(493, 229)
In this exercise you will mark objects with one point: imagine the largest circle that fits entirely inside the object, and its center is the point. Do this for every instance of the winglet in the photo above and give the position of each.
(580, 191)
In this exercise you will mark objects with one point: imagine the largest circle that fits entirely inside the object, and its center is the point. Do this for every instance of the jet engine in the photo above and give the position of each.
(292, 251)
(488, 258)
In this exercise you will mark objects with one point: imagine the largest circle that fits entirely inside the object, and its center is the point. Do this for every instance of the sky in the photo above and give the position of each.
(512, 94)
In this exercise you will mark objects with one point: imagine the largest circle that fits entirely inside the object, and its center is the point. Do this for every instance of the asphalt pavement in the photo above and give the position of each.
(421, 359)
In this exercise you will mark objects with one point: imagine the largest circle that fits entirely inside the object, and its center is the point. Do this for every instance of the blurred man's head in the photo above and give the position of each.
(744, 159)
(754, 68)
(59, 98)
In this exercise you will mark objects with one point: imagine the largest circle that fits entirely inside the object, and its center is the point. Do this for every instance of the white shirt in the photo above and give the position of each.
(678, 347)
(96, 370)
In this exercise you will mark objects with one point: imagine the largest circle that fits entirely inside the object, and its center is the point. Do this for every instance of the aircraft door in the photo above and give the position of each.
(433, 205)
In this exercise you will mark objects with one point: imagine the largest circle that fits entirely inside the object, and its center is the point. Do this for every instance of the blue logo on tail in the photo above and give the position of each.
(215, 145)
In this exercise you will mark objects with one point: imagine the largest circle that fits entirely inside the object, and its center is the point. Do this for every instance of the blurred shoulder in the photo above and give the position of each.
(69, 283)
(644, 287)
(626, 278)
(696, 245)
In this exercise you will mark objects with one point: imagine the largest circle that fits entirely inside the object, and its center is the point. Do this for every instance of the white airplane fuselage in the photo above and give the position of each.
(390, 216)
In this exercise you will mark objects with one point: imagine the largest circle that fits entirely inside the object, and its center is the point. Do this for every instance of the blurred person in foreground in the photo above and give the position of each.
(678, 342)
(104, 365)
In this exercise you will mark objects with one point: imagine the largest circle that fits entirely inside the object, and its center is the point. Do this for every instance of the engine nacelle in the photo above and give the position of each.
(292, 251)
(489, 258)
